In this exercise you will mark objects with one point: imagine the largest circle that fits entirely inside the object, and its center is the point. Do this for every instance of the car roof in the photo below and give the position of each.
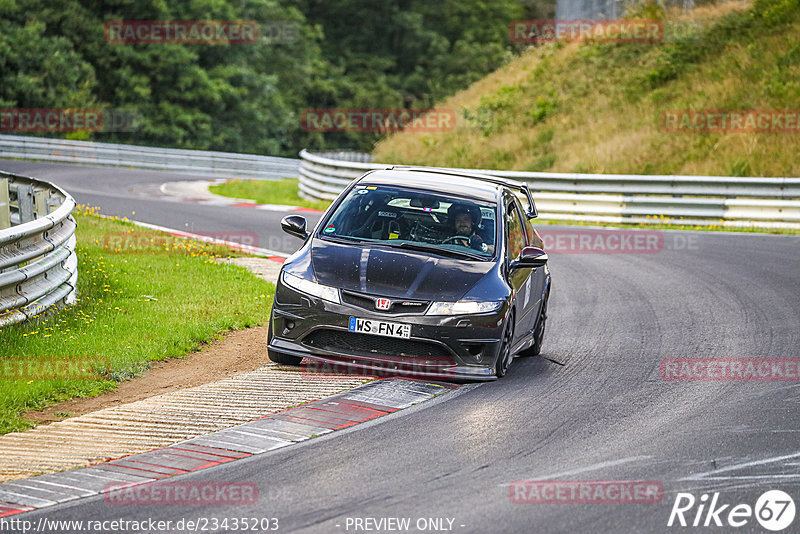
(435, 180)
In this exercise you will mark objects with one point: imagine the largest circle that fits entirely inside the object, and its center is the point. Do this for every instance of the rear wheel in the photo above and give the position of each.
(505, 357)
(277, 357)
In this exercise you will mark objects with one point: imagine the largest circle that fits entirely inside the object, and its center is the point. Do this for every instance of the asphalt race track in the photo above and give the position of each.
(594, 407)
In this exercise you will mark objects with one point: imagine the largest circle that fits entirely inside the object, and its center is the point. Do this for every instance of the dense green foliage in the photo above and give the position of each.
(249, 98)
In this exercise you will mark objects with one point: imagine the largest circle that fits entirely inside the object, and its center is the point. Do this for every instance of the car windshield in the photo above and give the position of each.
(416, 220)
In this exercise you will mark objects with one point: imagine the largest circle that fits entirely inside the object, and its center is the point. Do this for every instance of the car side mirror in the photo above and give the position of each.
(295, 225)
(530, 257)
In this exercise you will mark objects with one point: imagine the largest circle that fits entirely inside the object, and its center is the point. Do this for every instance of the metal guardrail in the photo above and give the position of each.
(193, 162)
(615, 198)
(38, 264)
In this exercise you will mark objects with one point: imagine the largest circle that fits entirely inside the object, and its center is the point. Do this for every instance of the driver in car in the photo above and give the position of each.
(464, 219)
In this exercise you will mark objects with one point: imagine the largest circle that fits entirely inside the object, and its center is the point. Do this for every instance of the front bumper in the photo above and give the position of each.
(458, 347)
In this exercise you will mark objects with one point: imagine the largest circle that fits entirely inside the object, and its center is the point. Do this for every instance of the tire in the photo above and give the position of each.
(505, 357)
(278, 357)
(538, 332)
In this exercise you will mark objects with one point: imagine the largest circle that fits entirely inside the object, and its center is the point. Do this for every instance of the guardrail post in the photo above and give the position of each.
(5, 205)
(40, 206)
(25, 203)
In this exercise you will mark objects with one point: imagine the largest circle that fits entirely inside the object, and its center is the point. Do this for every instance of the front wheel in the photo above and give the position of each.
(278, 357)
(505, 357)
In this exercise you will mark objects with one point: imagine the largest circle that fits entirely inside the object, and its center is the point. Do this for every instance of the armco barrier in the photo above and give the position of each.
(194, 162)
(615, 198)
(38, 264)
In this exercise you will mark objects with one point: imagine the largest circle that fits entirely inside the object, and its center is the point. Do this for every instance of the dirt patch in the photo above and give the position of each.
(236, 352)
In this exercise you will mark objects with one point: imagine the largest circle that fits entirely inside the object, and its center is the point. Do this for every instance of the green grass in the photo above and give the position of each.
(137, 304)
(267, 192)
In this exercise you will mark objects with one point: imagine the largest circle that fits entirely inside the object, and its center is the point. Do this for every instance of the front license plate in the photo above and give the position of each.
(380, 328)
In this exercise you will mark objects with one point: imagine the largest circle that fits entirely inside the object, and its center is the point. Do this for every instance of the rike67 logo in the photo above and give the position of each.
(774, 510)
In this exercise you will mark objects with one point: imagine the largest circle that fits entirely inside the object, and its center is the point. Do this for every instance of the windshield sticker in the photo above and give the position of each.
(329, 229)
(393, 235)
(362, 192)
(372, 187)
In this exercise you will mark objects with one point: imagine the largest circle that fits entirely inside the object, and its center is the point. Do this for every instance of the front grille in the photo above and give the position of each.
(359, 344)
(399, 306)
(357, 300)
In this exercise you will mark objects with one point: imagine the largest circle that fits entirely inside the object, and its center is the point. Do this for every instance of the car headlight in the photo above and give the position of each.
(463, 307)
(311, 288)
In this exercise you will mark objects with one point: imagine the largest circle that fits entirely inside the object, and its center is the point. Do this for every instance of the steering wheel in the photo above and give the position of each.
(462, 238)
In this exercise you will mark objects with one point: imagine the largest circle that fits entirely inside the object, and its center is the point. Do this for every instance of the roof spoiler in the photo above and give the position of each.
(532, 213)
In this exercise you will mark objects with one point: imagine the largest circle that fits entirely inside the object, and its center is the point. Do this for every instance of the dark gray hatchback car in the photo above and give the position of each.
(415, 271)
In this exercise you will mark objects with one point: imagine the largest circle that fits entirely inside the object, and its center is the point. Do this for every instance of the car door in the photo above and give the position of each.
(538, 275)
(519, 279)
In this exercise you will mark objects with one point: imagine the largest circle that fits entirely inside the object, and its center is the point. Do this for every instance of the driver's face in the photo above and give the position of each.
(464, 224)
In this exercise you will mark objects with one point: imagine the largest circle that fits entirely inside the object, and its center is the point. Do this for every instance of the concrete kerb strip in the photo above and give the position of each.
(162, 420)
(342, 410)
(273, 255)
(197, 192)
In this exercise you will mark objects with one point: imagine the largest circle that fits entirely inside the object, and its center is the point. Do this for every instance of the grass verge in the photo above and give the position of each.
(600, 107)
(143, 296)
(267, 192)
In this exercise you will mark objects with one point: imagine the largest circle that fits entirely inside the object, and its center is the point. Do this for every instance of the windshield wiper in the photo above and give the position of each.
(343, 239)
(437, 250)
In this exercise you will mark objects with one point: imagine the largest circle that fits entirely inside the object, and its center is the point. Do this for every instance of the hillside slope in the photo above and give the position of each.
(593, 107)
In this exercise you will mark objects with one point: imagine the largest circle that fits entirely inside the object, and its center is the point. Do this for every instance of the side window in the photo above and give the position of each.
(514, 229)
(526, 225)
(533, 238)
